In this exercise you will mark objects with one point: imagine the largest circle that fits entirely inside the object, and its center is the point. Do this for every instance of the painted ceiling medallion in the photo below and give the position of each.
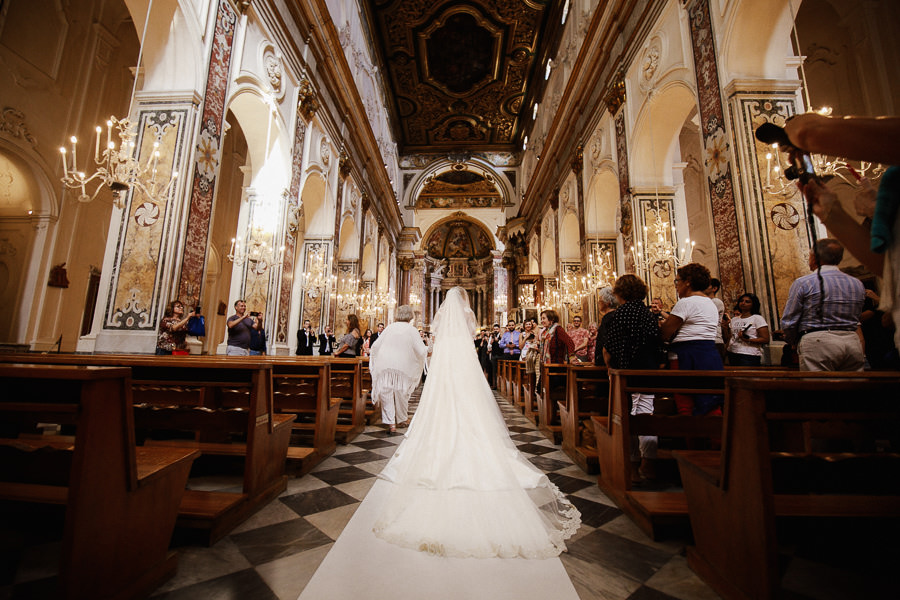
(460, 73)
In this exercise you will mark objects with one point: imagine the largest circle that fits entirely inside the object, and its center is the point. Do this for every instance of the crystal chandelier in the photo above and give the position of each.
(317, 278)
(526, 295)
(777, 183)
(661, 251)
(500, 302)
(601, 270)
(256, 253)
(118, 168)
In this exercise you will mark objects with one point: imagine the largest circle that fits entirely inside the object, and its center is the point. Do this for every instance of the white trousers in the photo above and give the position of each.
(394, 405)
(642, 404)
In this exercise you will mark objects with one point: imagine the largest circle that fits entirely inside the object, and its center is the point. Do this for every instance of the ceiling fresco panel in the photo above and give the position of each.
(460, 73)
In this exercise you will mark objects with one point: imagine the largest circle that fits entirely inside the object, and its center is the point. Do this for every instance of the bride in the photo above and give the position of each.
(460, 486)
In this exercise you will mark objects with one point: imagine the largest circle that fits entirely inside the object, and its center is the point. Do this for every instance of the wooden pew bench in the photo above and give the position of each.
(554, 378)
(302, 388)
(823, 445)
(503, 388)
(587, 396)
(518, 381)
(121, 501)
(530, 407)
(346, 386)
(220, 406)
(661, 507)
(365, 389)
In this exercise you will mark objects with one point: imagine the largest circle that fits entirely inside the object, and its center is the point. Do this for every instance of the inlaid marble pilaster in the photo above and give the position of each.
(578, 170)
(717, 148)
(208, 158)
(292, 201)
(626, 216)
(148, 229)
(773, 215)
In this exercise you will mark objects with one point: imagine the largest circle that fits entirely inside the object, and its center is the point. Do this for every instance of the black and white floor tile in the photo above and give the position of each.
(275, 552)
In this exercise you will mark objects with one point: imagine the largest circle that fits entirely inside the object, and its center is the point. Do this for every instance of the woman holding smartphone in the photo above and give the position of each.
(746, 333)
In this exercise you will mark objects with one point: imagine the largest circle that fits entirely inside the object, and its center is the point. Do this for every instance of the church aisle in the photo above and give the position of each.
(276, 553)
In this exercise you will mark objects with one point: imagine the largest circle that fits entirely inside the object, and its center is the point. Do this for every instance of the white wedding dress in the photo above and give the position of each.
(460, 487)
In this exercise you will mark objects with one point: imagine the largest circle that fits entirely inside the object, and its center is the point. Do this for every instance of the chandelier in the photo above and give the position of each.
(256, 253)
(317, 278)
(661, 251)
(118, 168)
(777, 183)
(500, 302)
(414, 299)
(526, 295)
(601, 270)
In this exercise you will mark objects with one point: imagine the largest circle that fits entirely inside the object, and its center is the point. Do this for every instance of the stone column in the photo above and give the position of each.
(615, 102)
(717, 148)
(774, 237)
(206, 168)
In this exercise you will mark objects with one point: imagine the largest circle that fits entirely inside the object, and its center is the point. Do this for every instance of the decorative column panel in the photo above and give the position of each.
(207, 162)
(615, 101)
(498, 283)
(292, 201)
(343, 172)
(578, 170)
(417, 286)
(146, 242)
(772, 218)
(719, 172)
(660, 275)
(406, 264)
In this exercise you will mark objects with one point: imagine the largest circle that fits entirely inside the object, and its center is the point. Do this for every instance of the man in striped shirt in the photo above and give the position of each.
(821, 317)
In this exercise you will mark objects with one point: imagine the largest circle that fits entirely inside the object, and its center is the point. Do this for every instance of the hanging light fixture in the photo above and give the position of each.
(601, 270)
(256, 252)
(117, 166)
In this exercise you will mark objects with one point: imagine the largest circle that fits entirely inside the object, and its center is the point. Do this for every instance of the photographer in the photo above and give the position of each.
(239, 326)
(257, 336)
(173, 329)
(866, 139)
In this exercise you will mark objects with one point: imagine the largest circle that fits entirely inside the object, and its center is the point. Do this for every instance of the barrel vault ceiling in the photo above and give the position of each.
(462, 76)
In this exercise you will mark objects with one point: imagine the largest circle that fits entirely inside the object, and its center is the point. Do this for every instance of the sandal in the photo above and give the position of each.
(392, 430)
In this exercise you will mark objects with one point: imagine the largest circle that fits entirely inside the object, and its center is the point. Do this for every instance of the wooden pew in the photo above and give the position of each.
(207, 396)
(587, 396)
(503, 377)
(346, 385)
(764, 472)
(302, 388)
(121, 501)
(530, 395)
(552, 392)
(365, 389)
(518, 380)
(655, 511)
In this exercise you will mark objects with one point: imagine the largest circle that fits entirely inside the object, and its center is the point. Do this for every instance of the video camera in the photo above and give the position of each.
(802, 167)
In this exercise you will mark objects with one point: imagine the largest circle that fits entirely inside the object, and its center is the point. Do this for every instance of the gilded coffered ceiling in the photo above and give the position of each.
(462, 75)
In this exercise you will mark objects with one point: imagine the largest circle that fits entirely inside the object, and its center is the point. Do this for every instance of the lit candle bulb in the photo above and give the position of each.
(65, 163)
(74, 141)
(97, 146)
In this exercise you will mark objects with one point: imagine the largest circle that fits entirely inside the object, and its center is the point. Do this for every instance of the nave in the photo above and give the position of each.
(277, 551)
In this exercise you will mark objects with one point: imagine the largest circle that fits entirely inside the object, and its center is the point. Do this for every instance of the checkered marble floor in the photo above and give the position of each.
(275, 552)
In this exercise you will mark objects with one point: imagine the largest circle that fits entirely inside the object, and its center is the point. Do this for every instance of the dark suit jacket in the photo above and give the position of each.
(330, 342)
(304, 343)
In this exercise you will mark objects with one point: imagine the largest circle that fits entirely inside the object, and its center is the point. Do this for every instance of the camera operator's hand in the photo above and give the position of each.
(823, 201)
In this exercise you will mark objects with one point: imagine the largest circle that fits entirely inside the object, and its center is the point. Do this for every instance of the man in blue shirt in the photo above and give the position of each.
(821, 316)
(510, 341)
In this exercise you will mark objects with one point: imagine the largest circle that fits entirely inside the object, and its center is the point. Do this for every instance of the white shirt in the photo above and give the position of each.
(752, 324)
(700, 319)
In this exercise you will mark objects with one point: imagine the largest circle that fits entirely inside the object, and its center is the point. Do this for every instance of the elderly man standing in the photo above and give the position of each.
(821, 316)
(396, 361)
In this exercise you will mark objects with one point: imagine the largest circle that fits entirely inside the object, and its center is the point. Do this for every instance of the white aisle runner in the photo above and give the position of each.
(361, 566)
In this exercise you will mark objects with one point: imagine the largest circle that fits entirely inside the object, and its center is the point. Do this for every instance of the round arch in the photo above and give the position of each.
(173, 57)
(474, 164)
(312, 198)
(569, 237)
(601, 202)
(757, 39)
(656, 130)
(349, 240)
(369, 264)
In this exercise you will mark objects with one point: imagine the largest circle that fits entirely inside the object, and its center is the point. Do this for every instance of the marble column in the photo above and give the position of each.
(773, 217)
(615, 102)
(717, 147)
